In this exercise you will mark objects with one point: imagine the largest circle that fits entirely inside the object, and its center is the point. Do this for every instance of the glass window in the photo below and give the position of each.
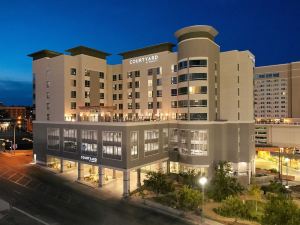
(101, 75)
(73, 71)
(198, 63)
(182, 91)
(87, 83)
(70, 140)
(89, 144)
(73, 94)
(182, 78)
(199, 142)
(198, 76)
(134, 144)
(53, 138)
(173, 92)
(73, 105)
(111, 144)
(173, 80)
(182, 65)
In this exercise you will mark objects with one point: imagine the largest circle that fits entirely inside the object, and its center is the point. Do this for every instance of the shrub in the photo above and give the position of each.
(188, 198)
(158, 183)
(189, 178)
(274, 187)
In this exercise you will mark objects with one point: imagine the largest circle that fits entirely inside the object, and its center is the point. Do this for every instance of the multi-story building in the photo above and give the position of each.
(159, 109)
(276, 92)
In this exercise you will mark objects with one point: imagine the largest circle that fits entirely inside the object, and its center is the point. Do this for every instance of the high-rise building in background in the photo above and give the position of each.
(159, 109)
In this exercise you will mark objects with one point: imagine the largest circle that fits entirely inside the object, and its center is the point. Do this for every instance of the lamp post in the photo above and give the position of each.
(287, 171)
(202, 181)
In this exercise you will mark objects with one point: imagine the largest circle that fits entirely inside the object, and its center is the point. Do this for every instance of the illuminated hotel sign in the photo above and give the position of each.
(89, 159)
(144, 59)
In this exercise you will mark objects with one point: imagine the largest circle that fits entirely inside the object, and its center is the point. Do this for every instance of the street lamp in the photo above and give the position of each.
(202, 181)
(287, 171)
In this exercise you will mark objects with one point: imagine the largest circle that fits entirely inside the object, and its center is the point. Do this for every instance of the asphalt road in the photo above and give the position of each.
(45, 196)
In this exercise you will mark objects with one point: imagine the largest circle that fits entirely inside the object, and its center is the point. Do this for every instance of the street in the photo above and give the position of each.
(48, 197)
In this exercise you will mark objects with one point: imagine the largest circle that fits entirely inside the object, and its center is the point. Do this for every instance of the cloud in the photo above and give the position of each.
(13, 92)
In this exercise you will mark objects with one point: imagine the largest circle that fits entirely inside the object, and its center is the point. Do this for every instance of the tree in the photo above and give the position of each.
(190, 178)
(281, 210)
(158, 183)
(255, 191)
(223, 184)
(188, 198)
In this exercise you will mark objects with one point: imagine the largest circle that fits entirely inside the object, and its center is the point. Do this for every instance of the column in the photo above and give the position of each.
(101, 176)
(126, 183)
(61, 165)
(114, 174)
(80, 171)
(168, 166)
(138, 173)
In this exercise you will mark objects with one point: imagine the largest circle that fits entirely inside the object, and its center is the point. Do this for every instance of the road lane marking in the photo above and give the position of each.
(31, 216)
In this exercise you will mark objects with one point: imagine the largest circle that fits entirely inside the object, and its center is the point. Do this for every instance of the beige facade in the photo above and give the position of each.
(276, 92)
(189, 108)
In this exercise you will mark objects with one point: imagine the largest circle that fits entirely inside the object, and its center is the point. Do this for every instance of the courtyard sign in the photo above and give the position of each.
(89, 159)
(144, 59)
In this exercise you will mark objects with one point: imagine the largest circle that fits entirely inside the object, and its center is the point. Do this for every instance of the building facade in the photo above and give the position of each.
(159, 109)
(276, 92)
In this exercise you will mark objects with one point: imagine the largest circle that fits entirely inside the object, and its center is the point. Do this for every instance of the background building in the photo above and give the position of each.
(159, 109)
(276, 91)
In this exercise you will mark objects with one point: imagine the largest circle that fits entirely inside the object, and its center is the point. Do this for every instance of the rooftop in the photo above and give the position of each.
(196, 31)
(44, 53)
(87, 51)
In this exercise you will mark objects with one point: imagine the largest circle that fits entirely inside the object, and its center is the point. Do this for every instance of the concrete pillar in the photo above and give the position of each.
(61, 165)
(168, 166)
(126, 183)
(80, 171)
(114, 174)
(101, 176)
(138, 174)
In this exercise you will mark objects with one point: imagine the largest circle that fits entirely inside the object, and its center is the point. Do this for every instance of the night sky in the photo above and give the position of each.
(270, 29)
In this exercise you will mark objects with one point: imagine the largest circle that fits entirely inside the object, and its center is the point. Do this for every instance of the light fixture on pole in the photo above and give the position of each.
(287, 171)
(202, 181)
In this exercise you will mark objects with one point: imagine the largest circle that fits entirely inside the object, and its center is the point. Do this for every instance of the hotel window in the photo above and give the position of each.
(120, 86)
(89, 144)
(48, 84)
(73, 71)
(137, 73)
(86, 94)
(73, 83)
(114, 77)
(101, 95)
(47, 95)
(174, 68)
(158, 82)
(115, 87)
(173, 104)
(198, 90)
(182, 65)
(182, 103)
(137, 94)
(137, 105)
(151, 140)
(198, 116)
(158, 105)
(120, 96)
(173, 92)
(134, 137)
(53, 138)
(174, 135)
(73, 105)
(112, 144)
(173, 80)
(165, 138)
(182, 91)
(129, 85)
(182, 78)
(198, 103)
(159, 93)
(198, 63)
(101, 75)
(150, 105)
(114, 97)
(87, 104)
(149, 83)
(120, 106)
(150, 72)
(48, 116)
(198, 76)
(130, 95)
(73, 94)
(70, 140)
(120, 77)
(136, 84)
(183, 141)
(87, 83)
(150, 94)
(129, 105)
(199, 142)
(101, 84)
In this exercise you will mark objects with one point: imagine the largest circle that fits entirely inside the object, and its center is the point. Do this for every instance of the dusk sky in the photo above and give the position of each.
(270, 29)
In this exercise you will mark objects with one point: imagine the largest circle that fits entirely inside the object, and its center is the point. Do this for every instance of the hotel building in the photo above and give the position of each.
(157, 110)
(276, 92)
